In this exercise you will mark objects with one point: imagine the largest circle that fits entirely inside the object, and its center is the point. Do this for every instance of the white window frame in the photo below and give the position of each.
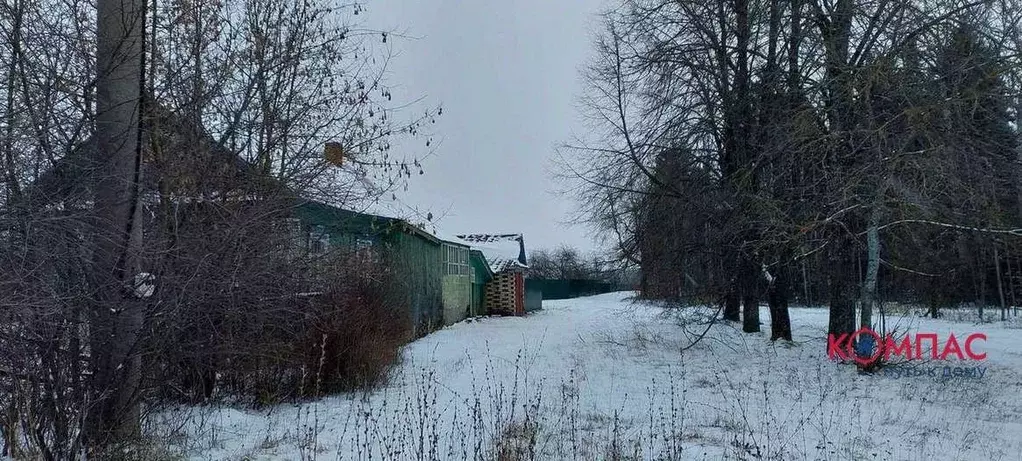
(318, 235)
(456, 260)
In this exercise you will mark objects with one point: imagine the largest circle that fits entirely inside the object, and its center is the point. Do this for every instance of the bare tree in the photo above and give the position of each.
(813, 131)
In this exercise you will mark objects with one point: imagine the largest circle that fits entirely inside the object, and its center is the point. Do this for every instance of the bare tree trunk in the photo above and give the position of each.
(1018, 154)
(836, 33)
(750, 312)
(1011, 279)
(869, 286)
(839, 287)
(1000, 286)
(794, 43)
(981, 294)
(732, 303)
(805, 285)
(750, 297)
(780, 321)
(116, 319)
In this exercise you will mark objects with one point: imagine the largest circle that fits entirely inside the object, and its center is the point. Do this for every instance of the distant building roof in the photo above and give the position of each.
(194, 162)
(503, 252)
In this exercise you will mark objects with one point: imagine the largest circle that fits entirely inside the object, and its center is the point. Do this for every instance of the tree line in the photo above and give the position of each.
(837, 152)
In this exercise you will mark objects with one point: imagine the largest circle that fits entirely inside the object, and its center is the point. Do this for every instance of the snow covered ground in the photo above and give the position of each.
(606, 378)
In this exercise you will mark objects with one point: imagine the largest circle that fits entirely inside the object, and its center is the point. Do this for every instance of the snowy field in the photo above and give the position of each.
(606, 378)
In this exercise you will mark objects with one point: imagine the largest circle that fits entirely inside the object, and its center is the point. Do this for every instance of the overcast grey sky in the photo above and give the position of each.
(506, 74)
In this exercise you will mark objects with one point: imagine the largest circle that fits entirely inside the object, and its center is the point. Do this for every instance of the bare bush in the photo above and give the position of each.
(358, 328)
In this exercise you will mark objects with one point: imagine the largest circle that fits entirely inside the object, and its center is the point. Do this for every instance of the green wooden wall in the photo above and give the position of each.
(457, 298)
(414, 256)
(417, 262)
(481, 275)
(345, 227)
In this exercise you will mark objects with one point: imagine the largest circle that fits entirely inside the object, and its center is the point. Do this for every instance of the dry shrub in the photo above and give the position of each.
(344, 338)
(358, 329)
(517, 442)
(289, 329)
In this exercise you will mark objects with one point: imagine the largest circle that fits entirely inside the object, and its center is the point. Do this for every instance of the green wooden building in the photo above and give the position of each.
(457, 282)
(433, 277)
(481, 275)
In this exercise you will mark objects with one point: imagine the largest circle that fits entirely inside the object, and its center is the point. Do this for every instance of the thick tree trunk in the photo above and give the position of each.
(737, 168)
(842, 297)
(750, 297)
(732, 304)
(643, 283)
(750, 312)
(836, 33)
(842, 308)
(116, 320)
(780, 321)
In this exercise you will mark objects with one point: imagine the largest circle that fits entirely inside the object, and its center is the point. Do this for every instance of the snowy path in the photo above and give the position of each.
(590, 377)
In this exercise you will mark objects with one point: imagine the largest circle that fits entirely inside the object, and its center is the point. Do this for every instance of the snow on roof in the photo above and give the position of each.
(488, 238)
(503, 252)
(449, 238)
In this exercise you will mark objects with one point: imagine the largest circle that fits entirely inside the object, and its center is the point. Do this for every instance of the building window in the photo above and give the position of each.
(319, 240)
(456, 260)
(365, 252)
